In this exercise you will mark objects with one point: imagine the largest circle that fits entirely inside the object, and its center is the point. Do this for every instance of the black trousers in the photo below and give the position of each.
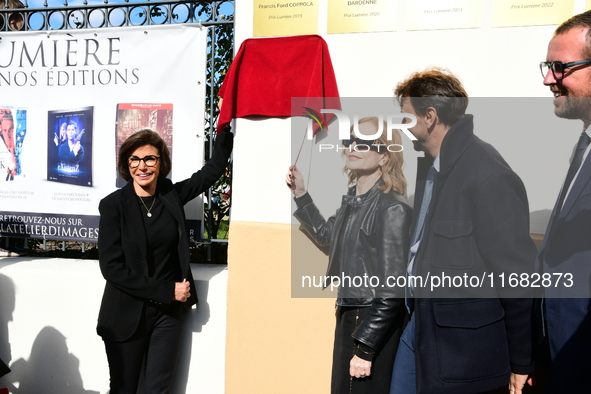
(153, 350)
(348, 318)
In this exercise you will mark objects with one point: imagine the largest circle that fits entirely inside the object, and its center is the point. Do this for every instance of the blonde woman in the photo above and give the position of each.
(367, 237)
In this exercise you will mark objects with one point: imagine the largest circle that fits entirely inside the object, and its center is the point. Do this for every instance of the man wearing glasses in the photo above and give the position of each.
(566, 248)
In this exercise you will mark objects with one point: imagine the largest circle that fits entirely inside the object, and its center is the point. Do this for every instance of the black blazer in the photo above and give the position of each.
(123, 246)
(565, 257)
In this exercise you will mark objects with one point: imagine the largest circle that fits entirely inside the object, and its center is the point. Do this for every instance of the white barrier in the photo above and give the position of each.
(48, 314)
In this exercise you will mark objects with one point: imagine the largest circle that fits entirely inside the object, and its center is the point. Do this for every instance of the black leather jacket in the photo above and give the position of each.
(368, 237)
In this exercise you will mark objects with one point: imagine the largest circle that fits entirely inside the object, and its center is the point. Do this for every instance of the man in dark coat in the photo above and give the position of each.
(471, 225)
(566, 249)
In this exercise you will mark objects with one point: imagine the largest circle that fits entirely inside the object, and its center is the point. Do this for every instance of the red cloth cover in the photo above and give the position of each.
(268, 72)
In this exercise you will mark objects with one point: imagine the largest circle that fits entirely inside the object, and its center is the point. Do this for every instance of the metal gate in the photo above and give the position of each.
(217, 14)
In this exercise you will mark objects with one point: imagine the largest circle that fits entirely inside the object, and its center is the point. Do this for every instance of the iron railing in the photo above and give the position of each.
(118, 14)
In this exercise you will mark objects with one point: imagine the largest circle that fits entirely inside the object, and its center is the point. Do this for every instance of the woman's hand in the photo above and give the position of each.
(182, 291)
(517, 383)
(359, 368)
(295, 181)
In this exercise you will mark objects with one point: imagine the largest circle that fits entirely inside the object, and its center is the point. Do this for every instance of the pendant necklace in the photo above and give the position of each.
(149, 214)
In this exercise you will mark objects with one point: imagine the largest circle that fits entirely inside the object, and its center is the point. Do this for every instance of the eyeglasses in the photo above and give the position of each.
(558, 68)
(373, 145)
(149, 160)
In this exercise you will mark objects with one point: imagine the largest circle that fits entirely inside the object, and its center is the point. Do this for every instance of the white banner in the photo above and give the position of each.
(69, 98)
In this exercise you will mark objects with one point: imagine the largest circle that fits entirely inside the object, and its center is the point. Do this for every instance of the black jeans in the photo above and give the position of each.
(153, 348)
(348, 318)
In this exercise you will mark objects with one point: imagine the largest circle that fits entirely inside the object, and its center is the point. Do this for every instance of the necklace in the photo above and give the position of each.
(149, 214)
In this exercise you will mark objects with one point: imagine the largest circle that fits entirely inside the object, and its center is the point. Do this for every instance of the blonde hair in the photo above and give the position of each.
(392, 175)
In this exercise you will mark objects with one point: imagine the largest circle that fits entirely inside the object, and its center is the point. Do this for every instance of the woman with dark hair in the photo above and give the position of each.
(144, 257)
(367, 237)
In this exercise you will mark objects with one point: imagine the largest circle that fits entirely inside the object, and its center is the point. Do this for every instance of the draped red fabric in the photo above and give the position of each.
(268, 72)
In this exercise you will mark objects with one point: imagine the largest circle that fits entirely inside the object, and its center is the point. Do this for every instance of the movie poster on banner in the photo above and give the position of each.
(69, 147)
(13, 128)
(132, 117)
(70, 98)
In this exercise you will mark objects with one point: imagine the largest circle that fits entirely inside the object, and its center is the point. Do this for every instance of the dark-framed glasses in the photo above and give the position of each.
(149, 161)
(372, 145)
(558, 68)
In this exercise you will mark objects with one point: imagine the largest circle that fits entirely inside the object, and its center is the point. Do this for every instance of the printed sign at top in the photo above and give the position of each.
(361, 16)
(284, 18)
(443, 14)
(507, 13)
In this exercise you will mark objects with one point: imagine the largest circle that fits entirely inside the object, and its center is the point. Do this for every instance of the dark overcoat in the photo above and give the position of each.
(469, 338)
